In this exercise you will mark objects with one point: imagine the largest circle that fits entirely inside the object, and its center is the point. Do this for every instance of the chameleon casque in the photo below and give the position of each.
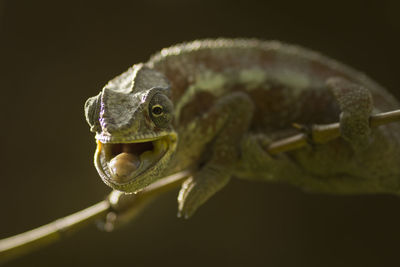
(212, 105)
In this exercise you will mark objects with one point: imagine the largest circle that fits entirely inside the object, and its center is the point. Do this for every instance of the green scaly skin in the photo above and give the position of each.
(212, 105)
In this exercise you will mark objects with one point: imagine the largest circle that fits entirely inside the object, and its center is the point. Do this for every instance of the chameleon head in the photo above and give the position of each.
(132, 119)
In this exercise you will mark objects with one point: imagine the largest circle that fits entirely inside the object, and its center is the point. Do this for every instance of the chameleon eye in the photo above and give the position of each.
(157, 110)
(160, 110)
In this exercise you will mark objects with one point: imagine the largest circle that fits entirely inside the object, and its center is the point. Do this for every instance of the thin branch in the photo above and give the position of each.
(385, 118)
(124, 207)
(17, 245)
(116, 203)
(321, 134)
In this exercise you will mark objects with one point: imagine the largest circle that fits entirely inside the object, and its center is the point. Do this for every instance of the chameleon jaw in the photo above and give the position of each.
(125, 166)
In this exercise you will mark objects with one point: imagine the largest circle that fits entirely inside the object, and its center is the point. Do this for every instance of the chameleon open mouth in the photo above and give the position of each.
(121, 163)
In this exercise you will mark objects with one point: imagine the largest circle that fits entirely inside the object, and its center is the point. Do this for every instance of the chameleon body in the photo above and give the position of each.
(213, 105)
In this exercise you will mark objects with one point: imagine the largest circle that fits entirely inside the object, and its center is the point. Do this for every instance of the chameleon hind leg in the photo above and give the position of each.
(225, 124)
(355, 102)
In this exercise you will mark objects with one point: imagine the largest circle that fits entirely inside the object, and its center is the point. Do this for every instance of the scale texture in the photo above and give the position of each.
(212, 105)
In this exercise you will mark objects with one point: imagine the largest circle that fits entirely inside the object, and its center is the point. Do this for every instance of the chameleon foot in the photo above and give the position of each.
(199, 188)
(234, 113)
(355, 101)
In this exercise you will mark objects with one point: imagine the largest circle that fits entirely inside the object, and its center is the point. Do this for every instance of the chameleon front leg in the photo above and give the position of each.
(355, 102)
(226, 123)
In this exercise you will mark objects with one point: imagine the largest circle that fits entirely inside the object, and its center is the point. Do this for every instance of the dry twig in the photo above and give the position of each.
(116, 203)
(119, 205)
(321, 134)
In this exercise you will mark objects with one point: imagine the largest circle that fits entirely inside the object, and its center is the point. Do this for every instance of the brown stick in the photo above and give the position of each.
(115, 203)
(120, 204)
(321, 134)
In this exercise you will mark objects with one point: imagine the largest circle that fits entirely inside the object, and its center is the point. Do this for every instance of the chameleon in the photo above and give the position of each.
(213, 105)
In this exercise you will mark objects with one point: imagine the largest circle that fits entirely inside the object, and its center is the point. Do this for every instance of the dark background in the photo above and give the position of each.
(55, 54)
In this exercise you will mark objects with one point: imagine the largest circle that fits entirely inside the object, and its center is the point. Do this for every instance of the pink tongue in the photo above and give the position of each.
(122, 166)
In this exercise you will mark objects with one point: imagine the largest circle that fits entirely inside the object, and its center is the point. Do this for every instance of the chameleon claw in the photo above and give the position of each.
(185, 206)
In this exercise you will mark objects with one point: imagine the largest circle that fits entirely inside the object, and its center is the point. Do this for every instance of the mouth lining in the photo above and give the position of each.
(133, 148)
(121, 163)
